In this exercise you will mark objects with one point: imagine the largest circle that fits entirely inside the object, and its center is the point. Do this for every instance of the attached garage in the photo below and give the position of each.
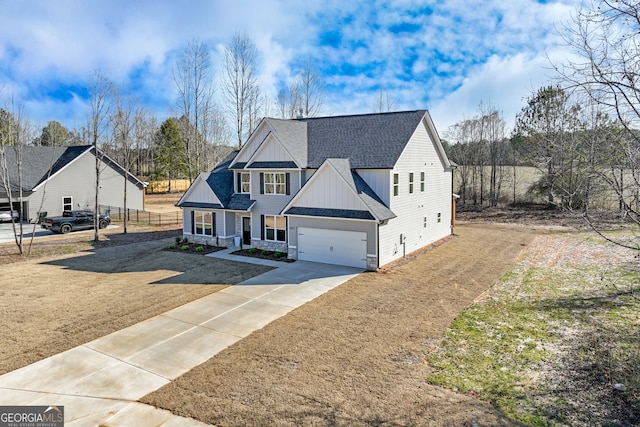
(333, 246)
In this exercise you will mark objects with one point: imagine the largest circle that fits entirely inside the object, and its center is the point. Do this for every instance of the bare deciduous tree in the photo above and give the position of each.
(101, 92)
(384, 103)
(605, 66)
(240, 84)
(15, 131)
(192, 76)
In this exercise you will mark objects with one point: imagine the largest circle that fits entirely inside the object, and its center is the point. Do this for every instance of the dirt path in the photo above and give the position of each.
(355, 356)
(53, 303)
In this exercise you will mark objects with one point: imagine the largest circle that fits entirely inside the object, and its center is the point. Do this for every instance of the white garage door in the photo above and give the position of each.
(333, 246)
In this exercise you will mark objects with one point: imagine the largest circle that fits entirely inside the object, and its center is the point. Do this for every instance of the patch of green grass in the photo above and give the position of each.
(546, 318)
(488, 350)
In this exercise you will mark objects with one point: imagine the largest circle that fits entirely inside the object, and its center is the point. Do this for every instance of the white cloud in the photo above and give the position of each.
(505, 82)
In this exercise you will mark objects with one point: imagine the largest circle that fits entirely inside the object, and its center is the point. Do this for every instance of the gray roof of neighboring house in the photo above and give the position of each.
(38, 163)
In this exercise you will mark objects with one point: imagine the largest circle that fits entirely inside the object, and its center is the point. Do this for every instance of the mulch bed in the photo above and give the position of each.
(193, 248)
(262, 255)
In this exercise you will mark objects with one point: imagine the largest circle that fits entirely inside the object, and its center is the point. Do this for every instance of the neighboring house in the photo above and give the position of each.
(55, 179)
(358, 190)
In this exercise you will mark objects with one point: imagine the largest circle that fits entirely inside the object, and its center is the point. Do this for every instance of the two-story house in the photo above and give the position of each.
(359, 190)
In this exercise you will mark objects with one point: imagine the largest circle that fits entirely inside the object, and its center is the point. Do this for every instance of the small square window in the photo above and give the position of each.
(425, 222)
(410, 182)
(421, 181)
(439, 217)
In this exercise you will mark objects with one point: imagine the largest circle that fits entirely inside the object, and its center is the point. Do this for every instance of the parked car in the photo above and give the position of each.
(74, 220)
(6, 216)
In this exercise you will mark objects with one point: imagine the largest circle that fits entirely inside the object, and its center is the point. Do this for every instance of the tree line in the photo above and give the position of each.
(580, 133)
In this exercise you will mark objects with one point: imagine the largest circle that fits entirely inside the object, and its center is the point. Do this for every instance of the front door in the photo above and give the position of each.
(246, 230)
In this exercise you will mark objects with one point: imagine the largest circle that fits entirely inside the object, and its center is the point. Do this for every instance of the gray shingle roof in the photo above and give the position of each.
(330, 213)
(220, 180)
(201, 205)
(370, 141)
(272, 165)
(240, 202)
(38, 163)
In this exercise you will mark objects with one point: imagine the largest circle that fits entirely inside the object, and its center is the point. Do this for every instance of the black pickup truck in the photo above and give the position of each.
(74, 220)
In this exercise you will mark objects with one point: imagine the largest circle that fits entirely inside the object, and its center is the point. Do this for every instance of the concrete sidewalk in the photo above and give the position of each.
(98, 383)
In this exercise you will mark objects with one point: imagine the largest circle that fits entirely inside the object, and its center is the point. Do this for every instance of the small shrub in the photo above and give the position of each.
(199, 249)
(178, 239)
(277, 254)
(185, 240)
(172, 246)
(252, 250)
(185, 247)
(265, 252)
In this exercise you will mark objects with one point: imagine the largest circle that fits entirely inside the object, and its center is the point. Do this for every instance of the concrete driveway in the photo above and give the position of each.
(98, 383)
(6, 231)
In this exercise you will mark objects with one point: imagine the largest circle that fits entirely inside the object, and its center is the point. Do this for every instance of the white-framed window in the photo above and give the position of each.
(203, 223)
(410, 182)
(421, 182)
(245, 182)
(275, 228)
(67, 203)
(396, 184)
(275, 183)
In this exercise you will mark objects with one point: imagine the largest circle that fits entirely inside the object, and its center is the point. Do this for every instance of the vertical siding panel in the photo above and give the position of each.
(420, 155)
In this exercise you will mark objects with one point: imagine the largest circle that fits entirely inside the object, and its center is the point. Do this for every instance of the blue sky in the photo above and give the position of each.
(445, 56)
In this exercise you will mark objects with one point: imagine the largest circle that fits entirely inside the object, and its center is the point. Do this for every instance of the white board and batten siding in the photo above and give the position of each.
(330, 192)
(378, 180)
(252, 145)
(271, 151)
(423, 217)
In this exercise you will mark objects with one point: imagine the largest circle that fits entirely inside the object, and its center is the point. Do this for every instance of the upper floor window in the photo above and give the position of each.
(396, 184)
(421, 181)
(245, 182)
(410, 182)
(274, 183)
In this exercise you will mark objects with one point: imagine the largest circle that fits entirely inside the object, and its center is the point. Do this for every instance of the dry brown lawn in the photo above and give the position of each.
(51, 302)
(355, 356)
